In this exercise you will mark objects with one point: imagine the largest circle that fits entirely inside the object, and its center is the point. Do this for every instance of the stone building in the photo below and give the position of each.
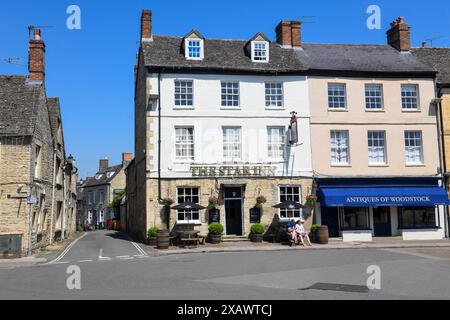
(213, 120)
(341, 124)
(439, 59)
(37, 180)
(98, 192)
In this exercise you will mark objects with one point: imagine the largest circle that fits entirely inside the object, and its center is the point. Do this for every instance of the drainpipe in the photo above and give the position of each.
(63, 202)
(53, 196)
(159, 137)
(442, 164)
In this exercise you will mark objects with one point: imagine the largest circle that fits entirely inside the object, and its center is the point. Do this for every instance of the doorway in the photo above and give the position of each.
(232, 197)
(382, 222)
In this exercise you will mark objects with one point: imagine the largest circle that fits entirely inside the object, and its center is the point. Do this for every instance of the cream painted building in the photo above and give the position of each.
(377, 168)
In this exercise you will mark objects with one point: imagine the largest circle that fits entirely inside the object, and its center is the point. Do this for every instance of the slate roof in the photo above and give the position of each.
(220, 55)
(360, 58)
(439, 59)
(54, 111)
(165, 52)
(18, 99)
(104, 179)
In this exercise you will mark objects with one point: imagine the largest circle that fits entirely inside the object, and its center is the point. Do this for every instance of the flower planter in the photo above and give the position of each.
(215, 238)
(152, 241)
(258, 238)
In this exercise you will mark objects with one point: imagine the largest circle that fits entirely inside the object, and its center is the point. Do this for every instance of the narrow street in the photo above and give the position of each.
(112, 267)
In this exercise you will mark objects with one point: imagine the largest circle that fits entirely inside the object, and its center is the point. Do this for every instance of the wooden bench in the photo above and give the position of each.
(190, 242)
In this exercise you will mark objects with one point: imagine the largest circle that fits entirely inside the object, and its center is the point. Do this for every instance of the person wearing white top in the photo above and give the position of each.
(301, 233)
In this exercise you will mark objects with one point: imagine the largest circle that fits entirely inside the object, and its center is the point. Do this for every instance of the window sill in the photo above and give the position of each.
(337, 110)
(415, 165)
(376, 110)
(381, 165)
(275, 108)
(341, 165)
(231, 108)
(196, 222)
(183, 162)
(183, 108)
(411, 111)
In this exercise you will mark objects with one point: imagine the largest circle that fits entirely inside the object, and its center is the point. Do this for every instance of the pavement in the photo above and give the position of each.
(108, 266)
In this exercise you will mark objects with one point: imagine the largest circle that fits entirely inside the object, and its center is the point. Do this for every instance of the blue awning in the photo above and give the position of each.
(383, 197)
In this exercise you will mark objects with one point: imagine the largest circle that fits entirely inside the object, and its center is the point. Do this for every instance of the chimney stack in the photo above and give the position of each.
(399, 36)
(146, 25)
(103, 165)
(289, 34)
(127, 157)
(424, 44)
(36, 58)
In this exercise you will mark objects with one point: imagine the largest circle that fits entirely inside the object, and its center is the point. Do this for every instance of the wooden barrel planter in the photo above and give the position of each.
(163, 239)
(258, 238)
(152, 241)
(215, 238)
(322, 235)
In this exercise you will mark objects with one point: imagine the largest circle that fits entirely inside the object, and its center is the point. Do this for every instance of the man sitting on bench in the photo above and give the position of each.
(292, 233)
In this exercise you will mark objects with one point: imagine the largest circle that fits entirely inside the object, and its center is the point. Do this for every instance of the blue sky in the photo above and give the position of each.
(91, 69)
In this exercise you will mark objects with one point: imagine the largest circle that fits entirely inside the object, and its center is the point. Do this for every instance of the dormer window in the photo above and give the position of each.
(194, 46)
(194, 49)
(257, 48)
(260, 51)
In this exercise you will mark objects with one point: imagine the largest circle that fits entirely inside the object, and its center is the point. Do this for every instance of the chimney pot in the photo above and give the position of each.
(289, 33)
(146, 24)
(424, 44)
(399, 35)
(127, 157)
(36, 57)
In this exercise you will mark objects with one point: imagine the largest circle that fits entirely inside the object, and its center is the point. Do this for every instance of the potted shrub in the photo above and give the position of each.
(167, 202)
(256, 232)
(314, 228)
(152, 236)
(260, 201)
(215, 233)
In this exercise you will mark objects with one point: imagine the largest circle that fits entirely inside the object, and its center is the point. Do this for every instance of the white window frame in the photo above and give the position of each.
(184, 144)
(91, 197)
(201, 46)
(369, 104)
(224, 97)
(271, 97)
(181, 106)
(407, 156)
(185, 221)
(372, 149)
(38, 161)
(254, 45)
(276, 144)
(333, 108)
(300, 201)
(227, 159)
(348, 148)
(417, 108)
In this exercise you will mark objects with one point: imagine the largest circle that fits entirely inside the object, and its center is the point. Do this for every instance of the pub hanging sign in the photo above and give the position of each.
(232, 171)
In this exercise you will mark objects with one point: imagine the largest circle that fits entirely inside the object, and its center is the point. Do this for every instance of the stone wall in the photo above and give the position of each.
(267, 187)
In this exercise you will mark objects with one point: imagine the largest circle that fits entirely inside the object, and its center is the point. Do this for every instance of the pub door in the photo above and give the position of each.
(233, 210)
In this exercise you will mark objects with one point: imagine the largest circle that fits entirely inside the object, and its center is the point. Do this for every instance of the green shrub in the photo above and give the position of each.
(257, 229)
(314, 227)
(152, 232)
(216, 229)
(80, 227)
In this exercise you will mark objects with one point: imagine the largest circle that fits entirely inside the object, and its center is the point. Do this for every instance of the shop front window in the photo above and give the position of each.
(417, 217)
(354, 218)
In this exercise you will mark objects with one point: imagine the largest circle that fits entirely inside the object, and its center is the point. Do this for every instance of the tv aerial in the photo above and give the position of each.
(31, 28)
(15, 61)
(430, 40)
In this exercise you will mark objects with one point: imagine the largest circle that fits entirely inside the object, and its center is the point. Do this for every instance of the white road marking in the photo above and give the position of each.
(105, 259)
(138, 248)
(129, 258)
(65, 250)
(121, 257)
(64, 262)
(81, 261)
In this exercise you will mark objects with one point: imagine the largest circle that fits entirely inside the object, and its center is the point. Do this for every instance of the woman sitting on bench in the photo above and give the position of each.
(301, 233)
